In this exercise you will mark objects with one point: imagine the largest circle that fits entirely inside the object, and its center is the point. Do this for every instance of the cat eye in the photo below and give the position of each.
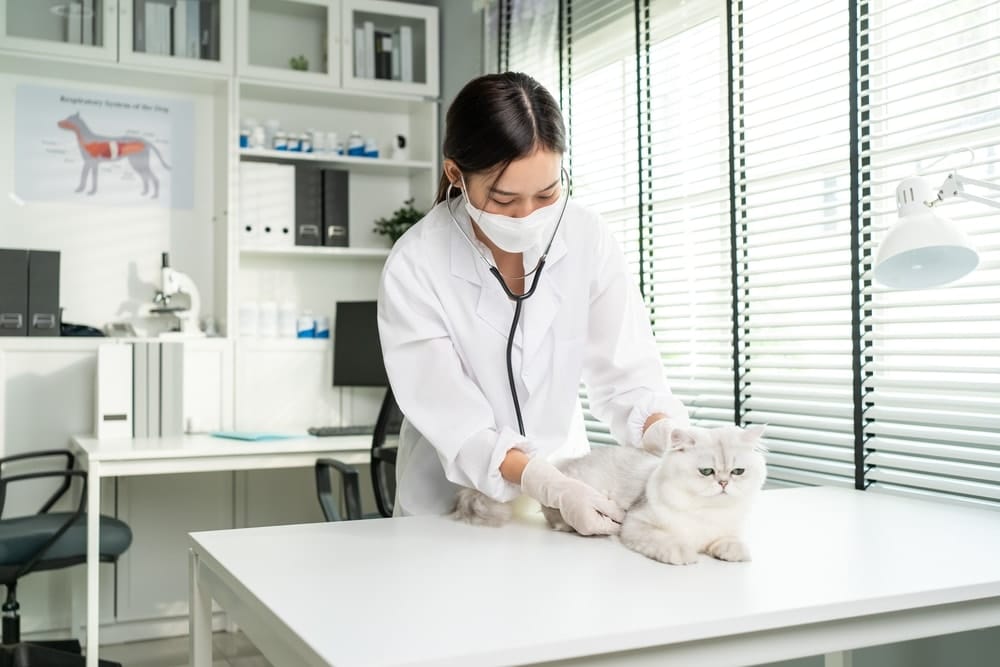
(706, 471)
(739, 471)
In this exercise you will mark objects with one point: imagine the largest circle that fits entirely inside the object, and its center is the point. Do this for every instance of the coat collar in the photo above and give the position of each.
(493, 306)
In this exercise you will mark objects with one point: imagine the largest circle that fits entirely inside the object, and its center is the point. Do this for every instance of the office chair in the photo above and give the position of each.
(383, 471)
(47, 541)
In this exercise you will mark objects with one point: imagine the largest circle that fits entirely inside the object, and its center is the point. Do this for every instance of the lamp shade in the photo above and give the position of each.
(924, 249)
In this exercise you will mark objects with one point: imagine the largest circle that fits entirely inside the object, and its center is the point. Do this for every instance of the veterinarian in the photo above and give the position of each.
(496, 305)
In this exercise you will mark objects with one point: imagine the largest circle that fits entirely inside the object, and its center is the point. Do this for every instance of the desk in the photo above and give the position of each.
(833, 570)
(185, 454)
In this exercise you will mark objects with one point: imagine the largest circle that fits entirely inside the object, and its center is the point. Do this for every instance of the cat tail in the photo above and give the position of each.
(156, 150)
(474, 507)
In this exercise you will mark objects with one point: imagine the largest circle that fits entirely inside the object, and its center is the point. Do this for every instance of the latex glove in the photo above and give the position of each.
(582, 507)
(656, 439)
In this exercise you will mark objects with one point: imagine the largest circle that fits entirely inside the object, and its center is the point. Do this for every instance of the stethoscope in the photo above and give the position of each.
(518, 299)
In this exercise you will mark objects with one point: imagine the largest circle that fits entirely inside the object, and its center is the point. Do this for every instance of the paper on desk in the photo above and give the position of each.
(252, 436)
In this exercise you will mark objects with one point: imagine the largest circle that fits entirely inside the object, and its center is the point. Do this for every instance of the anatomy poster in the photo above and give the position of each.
(113, 149)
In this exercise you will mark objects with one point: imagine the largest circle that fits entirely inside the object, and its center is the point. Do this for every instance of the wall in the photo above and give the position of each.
(110, 255)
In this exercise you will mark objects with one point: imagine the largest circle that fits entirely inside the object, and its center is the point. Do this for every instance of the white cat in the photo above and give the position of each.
(692, 498)
(697, 499)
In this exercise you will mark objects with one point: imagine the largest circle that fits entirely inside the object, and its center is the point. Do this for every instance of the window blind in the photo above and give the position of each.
(932, 364)
(686, 204)
(600, 107)
(793, 242)
(534, 45)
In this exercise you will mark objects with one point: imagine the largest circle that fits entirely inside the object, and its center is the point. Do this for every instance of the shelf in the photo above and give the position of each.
(285, 344)
(319, 96)
(362, 164)
(318, 251)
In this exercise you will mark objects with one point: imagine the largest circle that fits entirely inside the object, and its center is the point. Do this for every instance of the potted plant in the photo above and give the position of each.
(397, 223)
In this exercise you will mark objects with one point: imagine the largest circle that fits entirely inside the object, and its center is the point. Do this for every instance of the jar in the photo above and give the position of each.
(355, 144)
(280, 141)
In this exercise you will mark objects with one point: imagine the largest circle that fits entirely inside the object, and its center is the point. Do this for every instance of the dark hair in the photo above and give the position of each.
(496, 119)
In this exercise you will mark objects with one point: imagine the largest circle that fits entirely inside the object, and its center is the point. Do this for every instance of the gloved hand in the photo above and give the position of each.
(656, 439)
(582, 507)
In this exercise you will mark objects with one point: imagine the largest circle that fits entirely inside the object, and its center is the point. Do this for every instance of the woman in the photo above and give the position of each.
(488, 383)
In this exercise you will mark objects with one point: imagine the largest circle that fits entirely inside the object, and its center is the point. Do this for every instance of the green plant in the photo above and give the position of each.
(397, 223)
(300, 63)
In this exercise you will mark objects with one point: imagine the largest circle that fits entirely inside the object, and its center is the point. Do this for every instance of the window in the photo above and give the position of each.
(932, 357)
(746, 153)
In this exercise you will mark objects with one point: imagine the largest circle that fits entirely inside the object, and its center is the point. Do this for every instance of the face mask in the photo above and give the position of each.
(514, 234)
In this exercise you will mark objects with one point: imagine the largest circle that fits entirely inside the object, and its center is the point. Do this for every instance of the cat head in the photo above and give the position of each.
(725, 463)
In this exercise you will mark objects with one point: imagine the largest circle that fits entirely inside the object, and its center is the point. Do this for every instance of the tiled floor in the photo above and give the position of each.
(228, 650)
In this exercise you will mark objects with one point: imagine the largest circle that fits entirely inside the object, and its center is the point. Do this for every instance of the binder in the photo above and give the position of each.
(13, 292)
(114, 391)
(406, 53)
(360, 69)
(335, 208)
(140, 391)
(369, 29)
(43, 293)
(171, 389)
(308, 206)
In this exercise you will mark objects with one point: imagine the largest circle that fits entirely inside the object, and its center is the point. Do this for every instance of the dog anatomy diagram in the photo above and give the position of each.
(103, 148)
(96, 148)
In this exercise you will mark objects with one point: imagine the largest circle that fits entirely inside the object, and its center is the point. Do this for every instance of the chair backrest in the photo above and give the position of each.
(383, 454)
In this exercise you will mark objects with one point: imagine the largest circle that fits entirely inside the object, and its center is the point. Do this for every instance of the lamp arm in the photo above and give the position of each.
(953, 186)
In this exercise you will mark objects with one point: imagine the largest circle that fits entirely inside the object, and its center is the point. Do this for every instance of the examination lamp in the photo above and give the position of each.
(925, 249)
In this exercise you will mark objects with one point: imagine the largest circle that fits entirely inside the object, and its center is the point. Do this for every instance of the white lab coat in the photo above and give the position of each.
(443, 324)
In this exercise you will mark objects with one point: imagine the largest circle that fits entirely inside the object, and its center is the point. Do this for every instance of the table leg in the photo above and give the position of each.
(78, 607)
(199, 615)
(838, 659)
(93, 563)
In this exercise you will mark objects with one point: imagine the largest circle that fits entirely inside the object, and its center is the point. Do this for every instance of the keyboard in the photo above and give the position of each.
(325, 431)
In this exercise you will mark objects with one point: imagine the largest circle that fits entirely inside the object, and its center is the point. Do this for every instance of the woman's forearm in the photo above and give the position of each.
(513, 465)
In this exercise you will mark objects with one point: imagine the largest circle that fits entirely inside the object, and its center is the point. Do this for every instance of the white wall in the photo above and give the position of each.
(110, 255)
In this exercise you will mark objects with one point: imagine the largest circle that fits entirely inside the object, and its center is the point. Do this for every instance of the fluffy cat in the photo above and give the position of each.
(692, 498)
(698, 497)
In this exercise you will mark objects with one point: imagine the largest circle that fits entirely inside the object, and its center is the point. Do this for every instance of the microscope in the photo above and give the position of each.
(172, 283)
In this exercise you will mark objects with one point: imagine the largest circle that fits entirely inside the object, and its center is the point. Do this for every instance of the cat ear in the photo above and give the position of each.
(681, 439)
(751, 435)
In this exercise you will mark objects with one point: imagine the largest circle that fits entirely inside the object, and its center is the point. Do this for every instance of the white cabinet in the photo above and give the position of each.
(188, 35)
(75, 29)
(294, 41)
(193, 35)
(390, 47)
(373, 46)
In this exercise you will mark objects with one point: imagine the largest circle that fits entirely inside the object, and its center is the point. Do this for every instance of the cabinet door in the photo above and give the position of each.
(190, 35)
(68, 28)
(390, 47)
(294, 42)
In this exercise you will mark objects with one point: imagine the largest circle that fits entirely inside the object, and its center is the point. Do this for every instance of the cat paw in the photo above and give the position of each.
(729, 549)
(676, 554)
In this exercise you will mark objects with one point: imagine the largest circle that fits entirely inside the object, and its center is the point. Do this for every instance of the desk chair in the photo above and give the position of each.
(383, 471)
(47, 541)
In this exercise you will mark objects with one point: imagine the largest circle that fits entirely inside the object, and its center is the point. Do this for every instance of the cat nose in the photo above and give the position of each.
(723, 483)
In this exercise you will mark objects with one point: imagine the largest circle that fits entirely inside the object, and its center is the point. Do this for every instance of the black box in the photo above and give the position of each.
(335, 208)
(13, 292)
(43, 293)
(308, 205)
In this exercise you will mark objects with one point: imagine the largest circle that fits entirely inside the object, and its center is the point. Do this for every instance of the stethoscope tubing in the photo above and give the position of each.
(518, 299)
